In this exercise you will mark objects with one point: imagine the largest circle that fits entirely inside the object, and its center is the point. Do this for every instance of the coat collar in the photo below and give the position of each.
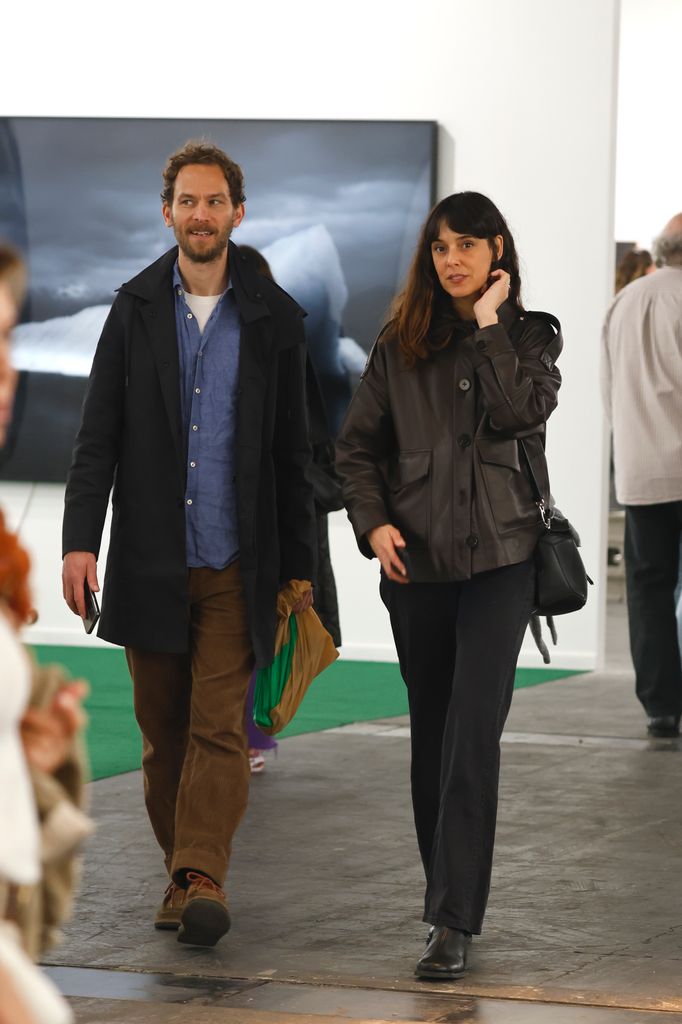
(507, 314)
(151, 282)
(154, 287)
(155, 283)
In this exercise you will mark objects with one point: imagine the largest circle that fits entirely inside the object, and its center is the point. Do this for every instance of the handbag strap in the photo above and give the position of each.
(545, 512)
(514, 333)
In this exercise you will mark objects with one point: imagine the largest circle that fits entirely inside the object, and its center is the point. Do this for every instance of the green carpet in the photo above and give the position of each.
(349, 691)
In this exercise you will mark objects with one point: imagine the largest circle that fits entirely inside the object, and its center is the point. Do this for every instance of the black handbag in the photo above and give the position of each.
(561, 580)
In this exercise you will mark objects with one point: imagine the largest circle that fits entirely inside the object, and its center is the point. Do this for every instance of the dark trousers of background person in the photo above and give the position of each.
(190, 709)
(652, 553)
(458, 644)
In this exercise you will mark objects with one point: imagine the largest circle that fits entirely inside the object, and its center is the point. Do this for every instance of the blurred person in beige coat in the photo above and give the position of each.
(41, 766)
(642, 393)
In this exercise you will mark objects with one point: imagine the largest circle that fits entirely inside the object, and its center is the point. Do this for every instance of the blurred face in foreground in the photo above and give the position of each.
(8, 375)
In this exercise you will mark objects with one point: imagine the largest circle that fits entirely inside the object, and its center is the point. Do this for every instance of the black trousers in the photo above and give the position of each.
(458, 644)
(652, 554)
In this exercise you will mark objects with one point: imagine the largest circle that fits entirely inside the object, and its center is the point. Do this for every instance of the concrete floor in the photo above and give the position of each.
(585, 917)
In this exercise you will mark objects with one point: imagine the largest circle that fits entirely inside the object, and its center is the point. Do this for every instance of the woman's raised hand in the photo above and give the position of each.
(492, 297)
(383, 541)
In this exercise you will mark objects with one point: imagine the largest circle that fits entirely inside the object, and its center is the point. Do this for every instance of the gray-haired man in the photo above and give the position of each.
(642, 391)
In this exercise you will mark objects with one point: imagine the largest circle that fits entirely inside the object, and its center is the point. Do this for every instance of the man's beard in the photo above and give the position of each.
(202, 253)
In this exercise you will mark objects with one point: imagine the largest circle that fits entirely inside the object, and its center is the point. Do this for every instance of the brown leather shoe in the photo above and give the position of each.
(204, 917)
(169, 913)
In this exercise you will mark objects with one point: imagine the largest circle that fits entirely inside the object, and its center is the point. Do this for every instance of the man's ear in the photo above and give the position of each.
(239, 212)
(167, 216)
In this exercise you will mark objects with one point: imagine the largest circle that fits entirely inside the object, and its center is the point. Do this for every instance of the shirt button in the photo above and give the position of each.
(464, 440)
(189, 501)
(464, 384)
(195, 427)
(472, 541)
(481, 345)
(197, 391)
(193, 465)
(189, 316)
(179, 291)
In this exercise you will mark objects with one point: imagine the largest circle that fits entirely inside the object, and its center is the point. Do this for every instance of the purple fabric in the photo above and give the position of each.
(257, 739)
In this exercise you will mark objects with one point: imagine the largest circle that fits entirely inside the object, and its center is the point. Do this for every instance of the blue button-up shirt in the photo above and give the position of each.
(209, 367)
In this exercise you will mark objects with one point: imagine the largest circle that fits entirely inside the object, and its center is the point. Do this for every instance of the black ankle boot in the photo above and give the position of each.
(445, 955)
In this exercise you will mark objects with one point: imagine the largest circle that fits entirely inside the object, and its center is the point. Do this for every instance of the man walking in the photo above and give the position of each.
(642, 392)
(195, 411)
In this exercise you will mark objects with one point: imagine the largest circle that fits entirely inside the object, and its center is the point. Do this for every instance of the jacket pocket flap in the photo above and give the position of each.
(503, 452)
(412, 466)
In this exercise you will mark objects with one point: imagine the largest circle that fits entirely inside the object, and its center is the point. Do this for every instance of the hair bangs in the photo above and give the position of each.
(465, 213)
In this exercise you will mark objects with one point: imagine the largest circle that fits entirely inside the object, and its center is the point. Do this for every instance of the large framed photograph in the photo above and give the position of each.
(335, 206)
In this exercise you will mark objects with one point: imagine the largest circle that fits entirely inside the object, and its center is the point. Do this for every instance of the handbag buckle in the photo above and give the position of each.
(546, 514)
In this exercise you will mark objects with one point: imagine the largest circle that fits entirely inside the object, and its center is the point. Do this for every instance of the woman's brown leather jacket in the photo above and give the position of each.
(434, 450)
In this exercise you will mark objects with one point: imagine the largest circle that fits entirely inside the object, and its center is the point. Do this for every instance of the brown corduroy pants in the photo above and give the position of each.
(190, 709)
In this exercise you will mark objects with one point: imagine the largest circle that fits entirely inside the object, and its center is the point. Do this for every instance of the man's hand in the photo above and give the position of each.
(383, 541)
(77, 567)
(303, 603)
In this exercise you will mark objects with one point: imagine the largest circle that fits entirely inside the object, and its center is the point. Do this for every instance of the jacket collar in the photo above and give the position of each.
(156, 280)
(247, 286)
(507, 314)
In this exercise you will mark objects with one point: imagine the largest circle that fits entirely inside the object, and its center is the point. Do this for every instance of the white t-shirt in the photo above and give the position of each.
(202, 306)
(19, 836)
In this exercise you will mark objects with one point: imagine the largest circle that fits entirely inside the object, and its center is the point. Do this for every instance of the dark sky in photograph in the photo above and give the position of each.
(91, 193)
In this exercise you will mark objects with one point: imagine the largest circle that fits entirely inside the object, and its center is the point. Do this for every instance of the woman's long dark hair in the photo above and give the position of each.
(422, 302)
(635, 263)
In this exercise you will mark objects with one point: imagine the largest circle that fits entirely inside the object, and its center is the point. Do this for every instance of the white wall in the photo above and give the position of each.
(649, 151)
(524, 93)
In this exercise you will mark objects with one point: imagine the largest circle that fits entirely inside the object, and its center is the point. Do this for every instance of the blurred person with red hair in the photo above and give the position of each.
(33, 741)
(28, 739)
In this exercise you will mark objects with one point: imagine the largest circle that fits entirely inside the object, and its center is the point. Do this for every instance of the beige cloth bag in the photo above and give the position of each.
(303, 649)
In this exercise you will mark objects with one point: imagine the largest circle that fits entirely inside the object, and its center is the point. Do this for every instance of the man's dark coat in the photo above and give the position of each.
(131, 435)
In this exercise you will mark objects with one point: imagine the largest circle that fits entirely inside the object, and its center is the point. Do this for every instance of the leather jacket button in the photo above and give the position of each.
(464, 440)
(464, 384)
(472, 541)
(481, 346)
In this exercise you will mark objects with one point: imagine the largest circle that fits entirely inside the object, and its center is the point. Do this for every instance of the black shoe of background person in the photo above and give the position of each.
(664, 726)
(445, 956)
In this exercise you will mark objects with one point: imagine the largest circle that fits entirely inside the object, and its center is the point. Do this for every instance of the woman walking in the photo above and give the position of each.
(437, 487)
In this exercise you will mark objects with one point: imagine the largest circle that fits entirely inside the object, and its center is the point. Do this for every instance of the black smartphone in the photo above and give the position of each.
(404, 556)
(91, 608)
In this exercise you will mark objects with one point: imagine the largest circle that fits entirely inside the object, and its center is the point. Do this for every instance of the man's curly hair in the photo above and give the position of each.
(203, 152)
